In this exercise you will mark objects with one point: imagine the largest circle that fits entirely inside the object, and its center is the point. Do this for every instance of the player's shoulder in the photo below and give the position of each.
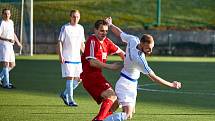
(92, 37)
(11, 21)
(79, 25)
(64, 26)
(108, 41)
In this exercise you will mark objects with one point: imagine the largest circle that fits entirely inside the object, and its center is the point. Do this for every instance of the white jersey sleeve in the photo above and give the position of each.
(1, 28)
(127, 37)
(142, 63)
(62, 34)
(83, 36)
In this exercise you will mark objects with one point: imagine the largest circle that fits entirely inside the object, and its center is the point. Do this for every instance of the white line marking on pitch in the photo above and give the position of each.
(176, 92)
(171, 91)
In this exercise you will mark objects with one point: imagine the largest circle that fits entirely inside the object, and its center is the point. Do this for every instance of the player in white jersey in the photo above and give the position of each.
(7, 40)
(71, 41)
(134, 64)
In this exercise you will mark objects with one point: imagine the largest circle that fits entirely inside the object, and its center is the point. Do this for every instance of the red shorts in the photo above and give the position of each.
(95, 84)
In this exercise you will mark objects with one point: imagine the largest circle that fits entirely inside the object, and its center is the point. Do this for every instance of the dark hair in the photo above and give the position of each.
(146, 38)
(100, 22)
(5, 9)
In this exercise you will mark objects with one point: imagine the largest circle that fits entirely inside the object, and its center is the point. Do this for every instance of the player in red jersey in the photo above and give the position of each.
(94, 58)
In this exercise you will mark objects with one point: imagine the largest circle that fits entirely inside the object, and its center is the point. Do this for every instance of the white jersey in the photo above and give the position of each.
(6, 31)
(6, 48)
(71, 38)
(135, 61)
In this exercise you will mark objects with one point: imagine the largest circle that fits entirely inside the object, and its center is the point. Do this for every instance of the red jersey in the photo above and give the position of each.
(96, 49)
(93, 80)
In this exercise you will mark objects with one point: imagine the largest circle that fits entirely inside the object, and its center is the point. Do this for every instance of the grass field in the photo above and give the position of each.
(128, 13)
(38, 81)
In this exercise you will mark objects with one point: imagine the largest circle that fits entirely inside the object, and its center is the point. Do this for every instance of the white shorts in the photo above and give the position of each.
(71, 70)
(126, 91)
(7, 53)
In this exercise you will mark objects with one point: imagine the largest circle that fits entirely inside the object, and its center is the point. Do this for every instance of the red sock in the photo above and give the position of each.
(104, 109)
(109, 113)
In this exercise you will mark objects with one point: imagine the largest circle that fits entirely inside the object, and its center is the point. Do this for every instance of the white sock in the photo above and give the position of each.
(2, 73)
(75, 84)
(69, 88)
(120, 116)
(6, 81)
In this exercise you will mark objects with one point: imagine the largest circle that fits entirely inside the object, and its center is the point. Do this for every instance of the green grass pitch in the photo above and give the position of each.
(38, 81)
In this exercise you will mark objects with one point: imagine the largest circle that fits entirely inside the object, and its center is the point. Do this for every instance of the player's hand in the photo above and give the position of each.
(109, 21)
(20, 45)
(176, 84)
(115, 66)
(61, 58)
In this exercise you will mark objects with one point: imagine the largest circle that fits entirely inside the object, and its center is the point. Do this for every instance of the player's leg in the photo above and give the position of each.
(76, 74)
(109, 97)
(69, 88)
(68, 72)
(6, 57)
(128, 109)
(2, 74)
(76, 82)
(10, 57)
(114, 107)
(5, 70)
(11, 66)
(126, 96)
(64, 94)
(120, 116)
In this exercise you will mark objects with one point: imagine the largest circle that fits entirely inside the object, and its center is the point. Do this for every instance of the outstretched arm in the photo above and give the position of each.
(59, 49)
(158, 79)
(116, 30)
(98, 64)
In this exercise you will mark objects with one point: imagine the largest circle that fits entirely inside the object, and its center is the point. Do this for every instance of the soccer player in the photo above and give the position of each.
(134, 64)
(71, 41)
(7, 40)
(94, 58)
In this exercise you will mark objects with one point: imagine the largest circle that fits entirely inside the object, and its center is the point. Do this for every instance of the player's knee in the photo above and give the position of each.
(113, 98)
(129, 116)
(109, 94)
(5, 64)
(12, 65)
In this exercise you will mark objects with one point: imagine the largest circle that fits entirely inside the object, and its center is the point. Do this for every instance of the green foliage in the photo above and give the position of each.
(38, 81)
(128, 13)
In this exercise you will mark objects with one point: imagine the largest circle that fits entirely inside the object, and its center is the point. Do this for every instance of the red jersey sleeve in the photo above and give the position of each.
(112, 48)
(89, 48)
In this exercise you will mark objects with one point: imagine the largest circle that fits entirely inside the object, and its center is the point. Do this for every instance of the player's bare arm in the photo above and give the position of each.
(116, 30)
(158, 79)
(96, 63)
(59, 51)
(82, 47)
(17, 41)
(121, 53)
